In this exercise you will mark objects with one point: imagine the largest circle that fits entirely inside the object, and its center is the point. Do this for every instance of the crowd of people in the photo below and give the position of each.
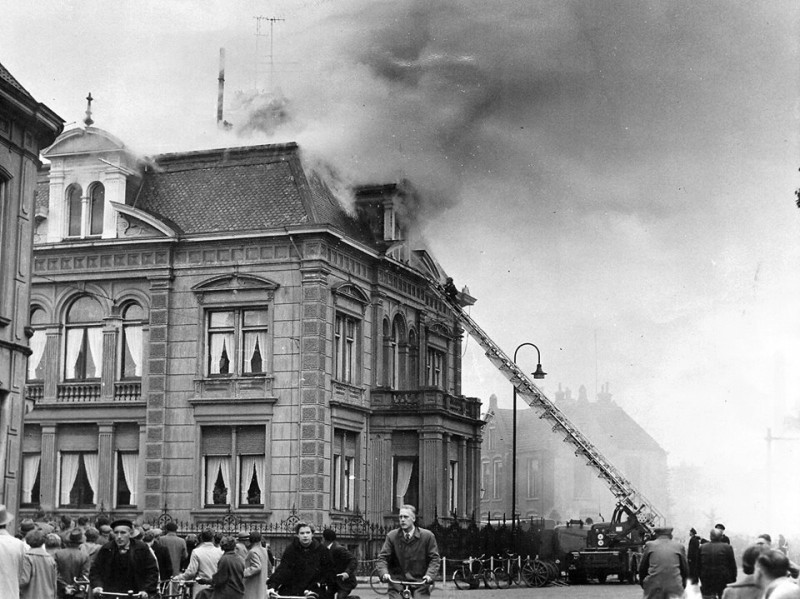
(81, 560)
(667, 569)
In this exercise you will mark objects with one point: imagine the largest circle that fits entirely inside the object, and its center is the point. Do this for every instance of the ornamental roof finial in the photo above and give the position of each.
(88, 120)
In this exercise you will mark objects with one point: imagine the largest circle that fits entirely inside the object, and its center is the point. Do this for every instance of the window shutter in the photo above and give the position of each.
(126, 437)
(216, 440)
(251, 440)
(77, 438)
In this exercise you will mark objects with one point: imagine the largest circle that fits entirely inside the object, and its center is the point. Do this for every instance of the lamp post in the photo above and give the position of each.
(539, 374)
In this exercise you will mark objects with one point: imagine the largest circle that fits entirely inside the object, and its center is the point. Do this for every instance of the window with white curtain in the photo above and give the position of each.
(406, 481)
(31, 477)
(37, 344)
(344, 475)
(74, 211)
(237, 342)
(434, 367)
(345, 347)
(234, 466)
(84, 340)
(452, 484)
(131, 354)
(127, 478)
(78, 479)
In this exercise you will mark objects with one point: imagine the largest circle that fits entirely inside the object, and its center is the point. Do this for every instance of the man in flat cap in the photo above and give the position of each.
(663, 569)
(124, 564)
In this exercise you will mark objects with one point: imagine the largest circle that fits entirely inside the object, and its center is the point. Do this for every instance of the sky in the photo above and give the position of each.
(613, 180)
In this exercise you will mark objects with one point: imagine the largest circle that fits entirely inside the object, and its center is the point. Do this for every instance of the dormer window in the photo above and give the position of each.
(86, 213)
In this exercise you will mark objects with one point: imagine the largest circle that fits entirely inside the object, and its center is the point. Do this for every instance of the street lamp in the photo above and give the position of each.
(539, 374)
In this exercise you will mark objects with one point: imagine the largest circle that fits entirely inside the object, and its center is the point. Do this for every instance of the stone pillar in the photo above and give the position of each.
(457, 353)
(57, 210)
(380, 477)
(48, 467)
(315, 434)
(105, 466)
(156, 372)
(463, 489)
(431, 475)
(51, 363)
(110, 333)
(473, 476)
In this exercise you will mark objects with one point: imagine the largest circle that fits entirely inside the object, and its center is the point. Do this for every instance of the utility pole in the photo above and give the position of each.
(259, 35)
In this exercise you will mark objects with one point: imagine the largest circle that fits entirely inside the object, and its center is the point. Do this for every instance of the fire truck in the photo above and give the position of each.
(614, 547)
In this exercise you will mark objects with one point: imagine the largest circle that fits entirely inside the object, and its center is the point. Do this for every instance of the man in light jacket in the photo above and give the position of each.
(203, 562)
(663, 569)
(256, 568)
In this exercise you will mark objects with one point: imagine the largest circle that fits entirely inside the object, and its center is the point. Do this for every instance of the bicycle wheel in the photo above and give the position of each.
(461, 579)
(376, 584)
(501, 578)
(540, 576)
(527, 575)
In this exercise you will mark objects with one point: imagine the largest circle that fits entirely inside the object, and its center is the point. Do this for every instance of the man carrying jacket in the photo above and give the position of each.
(124, 564)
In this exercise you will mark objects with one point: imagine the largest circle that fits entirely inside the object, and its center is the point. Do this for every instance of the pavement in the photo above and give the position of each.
(611, 590)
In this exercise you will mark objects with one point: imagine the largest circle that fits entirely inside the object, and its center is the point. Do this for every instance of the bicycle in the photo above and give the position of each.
(409, 586)
(472, 572)
(79, 589)
(305, 595)
(377, 585)
(515, 571)
(175, 589)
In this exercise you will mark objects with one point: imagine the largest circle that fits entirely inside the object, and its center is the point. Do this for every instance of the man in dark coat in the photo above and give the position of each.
(693, 555)
(344, 564)
(71, 562)
(124, 564)
(717, 566)
(409, 553)
(663, 569)
(306, 565)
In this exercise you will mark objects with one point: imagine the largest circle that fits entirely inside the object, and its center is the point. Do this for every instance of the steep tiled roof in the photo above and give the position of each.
(238, 189)
(9, 78)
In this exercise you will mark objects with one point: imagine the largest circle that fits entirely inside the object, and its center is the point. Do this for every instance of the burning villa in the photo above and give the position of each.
(213, 333)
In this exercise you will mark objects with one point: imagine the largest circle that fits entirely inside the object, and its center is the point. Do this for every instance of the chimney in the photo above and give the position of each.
(221, 88)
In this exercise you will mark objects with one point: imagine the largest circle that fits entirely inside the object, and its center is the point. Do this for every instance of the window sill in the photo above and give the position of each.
(234, 387)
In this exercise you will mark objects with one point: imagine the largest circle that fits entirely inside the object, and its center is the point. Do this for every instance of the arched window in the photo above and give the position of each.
(74, 210)
(131, 354)
(97, 197)
(396, 345)
(37, 344)
(84, 340)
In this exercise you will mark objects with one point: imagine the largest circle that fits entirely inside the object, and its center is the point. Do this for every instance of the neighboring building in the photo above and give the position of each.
(551, 482)
(217, 334)
(26, 126)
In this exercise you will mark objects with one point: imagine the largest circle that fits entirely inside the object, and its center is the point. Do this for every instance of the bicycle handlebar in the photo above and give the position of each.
(408, 583)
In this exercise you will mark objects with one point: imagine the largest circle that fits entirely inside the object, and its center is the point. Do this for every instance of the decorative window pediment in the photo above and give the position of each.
(350, 296)
(236, 288)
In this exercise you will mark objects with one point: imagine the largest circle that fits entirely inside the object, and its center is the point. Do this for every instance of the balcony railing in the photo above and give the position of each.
(83, 392)
(425, 399)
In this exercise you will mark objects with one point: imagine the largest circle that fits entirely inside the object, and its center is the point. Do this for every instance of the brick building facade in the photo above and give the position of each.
(26, 126)
(554, 484)
(216, 334)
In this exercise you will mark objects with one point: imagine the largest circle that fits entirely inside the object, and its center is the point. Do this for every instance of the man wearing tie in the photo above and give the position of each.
(409, 553)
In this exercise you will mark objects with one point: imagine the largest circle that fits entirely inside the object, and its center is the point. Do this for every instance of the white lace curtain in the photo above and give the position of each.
(37, 342)
(30, 468)
(69, 472)
(216, 466)
(250, 340)
(95, 336)
(404, 470)
(74, 340)
(251, 463)
(133, 339)
(218, 341)
(130, 468)
(90, 463)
